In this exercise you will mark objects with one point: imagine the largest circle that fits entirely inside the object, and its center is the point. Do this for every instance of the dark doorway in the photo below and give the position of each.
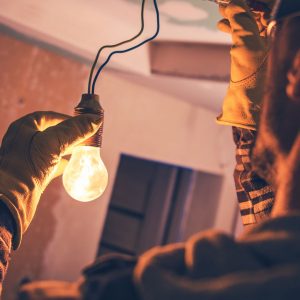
(155, 203)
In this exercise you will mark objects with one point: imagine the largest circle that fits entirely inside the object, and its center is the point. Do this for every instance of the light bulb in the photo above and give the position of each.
(85, 177)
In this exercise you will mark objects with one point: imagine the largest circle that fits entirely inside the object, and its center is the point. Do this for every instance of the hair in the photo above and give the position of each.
(284, 49)
(275, 133)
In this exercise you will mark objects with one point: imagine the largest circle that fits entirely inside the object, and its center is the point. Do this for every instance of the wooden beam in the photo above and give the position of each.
(190, 60)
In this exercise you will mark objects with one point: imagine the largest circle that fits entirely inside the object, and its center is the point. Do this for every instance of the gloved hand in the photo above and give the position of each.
(31, 156)
(249, 53)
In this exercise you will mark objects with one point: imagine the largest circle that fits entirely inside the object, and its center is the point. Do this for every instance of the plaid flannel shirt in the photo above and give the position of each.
(255, 195)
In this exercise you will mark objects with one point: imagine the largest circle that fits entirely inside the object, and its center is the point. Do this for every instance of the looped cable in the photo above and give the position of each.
(126, 50)
(116, 45)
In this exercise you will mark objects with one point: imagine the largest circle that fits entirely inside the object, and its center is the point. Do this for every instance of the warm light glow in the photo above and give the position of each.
(85, 177)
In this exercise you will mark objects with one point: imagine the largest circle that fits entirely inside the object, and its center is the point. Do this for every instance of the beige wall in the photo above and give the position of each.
(139, 121)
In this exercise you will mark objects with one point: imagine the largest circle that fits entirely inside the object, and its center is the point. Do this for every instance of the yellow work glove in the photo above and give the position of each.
(249, 53)
(31, 156)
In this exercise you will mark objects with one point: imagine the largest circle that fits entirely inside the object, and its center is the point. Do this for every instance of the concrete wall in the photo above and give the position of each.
(139, 121)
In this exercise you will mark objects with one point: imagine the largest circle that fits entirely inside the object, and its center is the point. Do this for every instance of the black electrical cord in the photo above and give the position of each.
(129, 49)
(116, 45)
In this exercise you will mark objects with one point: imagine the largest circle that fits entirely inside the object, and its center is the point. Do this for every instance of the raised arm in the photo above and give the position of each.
(242, 103)
(31, 155)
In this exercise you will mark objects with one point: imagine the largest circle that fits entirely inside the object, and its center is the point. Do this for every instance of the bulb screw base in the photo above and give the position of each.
(90, 104)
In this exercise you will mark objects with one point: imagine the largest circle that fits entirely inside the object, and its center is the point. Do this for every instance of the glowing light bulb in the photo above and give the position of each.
(85, 177)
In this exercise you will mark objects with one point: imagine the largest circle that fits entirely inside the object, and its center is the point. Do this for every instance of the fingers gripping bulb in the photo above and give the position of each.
(85, 177)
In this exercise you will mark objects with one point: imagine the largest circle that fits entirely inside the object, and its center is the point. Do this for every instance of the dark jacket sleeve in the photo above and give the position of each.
(254, 194)
(6, 233)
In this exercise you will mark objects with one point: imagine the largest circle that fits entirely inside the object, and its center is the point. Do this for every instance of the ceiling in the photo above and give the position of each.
(82, 26)
(188, 20)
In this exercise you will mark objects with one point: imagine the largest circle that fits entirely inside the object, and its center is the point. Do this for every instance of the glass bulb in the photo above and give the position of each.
(85, 177)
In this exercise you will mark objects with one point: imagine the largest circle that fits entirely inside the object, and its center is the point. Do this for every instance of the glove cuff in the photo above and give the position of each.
(14, 193)
(17, 236)
(221, 121)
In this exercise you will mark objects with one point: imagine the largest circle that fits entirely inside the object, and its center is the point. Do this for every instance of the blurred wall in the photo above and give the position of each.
(139, 121)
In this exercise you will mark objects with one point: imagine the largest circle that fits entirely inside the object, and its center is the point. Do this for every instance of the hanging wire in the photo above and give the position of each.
(116, 45)
(129, 49)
